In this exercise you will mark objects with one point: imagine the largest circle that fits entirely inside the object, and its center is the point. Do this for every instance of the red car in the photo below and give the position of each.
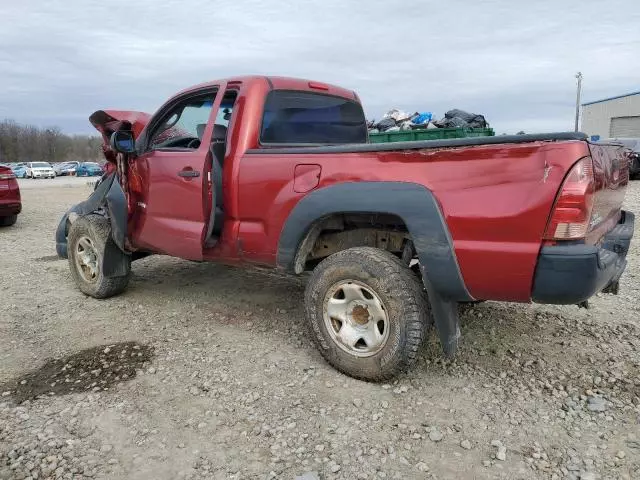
(10, 203)
(279, 172)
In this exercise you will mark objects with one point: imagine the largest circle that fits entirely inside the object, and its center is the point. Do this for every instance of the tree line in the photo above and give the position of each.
(28, 143)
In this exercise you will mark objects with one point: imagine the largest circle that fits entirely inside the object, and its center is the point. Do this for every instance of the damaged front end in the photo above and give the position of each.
(110, 197)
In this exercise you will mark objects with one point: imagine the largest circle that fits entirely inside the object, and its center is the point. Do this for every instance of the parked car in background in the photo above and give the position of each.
(40, 170)
(10, 203)
(632, 144)
(20, 171)
(88, 169)
(66, 168)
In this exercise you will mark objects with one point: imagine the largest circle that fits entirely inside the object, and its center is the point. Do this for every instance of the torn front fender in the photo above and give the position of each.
(109, 197)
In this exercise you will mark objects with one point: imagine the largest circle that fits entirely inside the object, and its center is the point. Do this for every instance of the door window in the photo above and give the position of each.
(182, 126)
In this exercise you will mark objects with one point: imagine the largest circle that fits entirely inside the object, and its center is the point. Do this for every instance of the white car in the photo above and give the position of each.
(66, 168)
(40, 170)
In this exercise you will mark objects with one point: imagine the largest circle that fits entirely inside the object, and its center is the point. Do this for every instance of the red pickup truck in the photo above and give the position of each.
(279, 172)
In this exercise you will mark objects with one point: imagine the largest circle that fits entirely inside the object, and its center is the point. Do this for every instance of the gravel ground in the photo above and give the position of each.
(205, 371)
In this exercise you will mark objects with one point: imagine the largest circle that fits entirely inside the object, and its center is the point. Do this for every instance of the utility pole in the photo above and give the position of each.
(578, 91)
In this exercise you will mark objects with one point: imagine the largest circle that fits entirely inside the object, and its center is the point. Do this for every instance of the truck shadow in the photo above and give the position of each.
(494, 334)
(209, 283)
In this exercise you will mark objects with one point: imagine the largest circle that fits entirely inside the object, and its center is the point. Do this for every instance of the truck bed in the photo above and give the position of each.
(420, 145)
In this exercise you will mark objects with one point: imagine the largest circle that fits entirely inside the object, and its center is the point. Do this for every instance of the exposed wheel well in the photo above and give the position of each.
(341, 231)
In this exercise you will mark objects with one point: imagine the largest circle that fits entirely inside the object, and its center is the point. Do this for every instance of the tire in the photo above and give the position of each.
(361, 273)
(88, 235)
(8, 221)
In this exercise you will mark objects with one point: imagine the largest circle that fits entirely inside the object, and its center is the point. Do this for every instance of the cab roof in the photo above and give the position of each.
(279, 83)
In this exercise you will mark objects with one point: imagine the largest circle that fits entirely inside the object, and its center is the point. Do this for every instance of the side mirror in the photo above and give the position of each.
(122, 141)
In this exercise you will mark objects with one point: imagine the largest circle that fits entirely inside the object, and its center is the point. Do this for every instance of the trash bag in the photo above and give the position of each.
(397, 115)
(422, 118)
(385, 124)
(460, 119)
(393, 129)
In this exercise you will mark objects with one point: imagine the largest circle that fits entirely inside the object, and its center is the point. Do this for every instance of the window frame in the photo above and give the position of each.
(289, 144)
(145, 139)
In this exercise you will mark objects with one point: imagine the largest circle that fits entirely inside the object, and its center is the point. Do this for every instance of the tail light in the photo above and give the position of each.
(7, 176)
(571, 216)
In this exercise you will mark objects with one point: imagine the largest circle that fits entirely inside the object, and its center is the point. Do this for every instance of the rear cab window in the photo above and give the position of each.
(307, 118)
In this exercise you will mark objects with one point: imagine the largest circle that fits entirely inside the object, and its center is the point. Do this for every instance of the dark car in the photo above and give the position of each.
(10, 203)
(632, 144)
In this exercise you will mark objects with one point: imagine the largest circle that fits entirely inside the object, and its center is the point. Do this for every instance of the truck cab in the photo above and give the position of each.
(184, 183)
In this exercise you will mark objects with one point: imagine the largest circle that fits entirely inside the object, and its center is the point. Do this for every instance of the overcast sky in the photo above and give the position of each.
(512, 61)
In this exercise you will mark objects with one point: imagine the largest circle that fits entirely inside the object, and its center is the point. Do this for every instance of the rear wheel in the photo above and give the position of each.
(8, 221)
(87, 239)
(367, 313)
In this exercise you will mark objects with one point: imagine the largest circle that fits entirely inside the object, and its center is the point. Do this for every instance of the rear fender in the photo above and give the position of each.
(110, 198)
(418, 208)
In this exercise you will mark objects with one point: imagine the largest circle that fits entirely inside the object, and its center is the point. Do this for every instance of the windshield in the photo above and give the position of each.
(292, 117)
(40, 165)
(91, 164)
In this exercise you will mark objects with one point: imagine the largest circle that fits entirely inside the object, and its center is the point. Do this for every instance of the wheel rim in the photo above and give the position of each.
(356, 318)
(87, 259)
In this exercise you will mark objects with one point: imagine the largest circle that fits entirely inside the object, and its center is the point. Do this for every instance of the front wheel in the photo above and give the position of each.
(367, 313)
(88, 237)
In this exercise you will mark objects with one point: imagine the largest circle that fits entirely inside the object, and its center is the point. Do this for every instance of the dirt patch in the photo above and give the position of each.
(93, 369)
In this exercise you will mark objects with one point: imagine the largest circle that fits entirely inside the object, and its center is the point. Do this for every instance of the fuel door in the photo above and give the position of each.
(306, 177)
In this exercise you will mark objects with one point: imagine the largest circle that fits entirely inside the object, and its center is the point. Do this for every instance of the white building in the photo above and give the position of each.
(614, 117)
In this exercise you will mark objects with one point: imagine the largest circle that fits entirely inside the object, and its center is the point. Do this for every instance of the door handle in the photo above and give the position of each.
(188, 173)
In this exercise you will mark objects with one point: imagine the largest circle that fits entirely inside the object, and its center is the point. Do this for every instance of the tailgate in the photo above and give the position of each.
(611, 175)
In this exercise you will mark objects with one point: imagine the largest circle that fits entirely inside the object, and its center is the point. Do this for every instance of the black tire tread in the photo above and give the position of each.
(8, 220)
(98, 229)
(399, 282)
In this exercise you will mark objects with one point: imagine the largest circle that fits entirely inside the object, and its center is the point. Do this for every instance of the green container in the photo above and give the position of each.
(429, 134)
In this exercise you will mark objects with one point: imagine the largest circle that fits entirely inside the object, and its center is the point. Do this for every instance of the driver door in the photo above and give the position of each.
(170, 208)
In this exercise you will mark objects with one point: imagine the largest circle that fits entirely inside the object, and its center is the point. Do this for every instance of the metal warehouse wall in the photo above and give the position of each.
(596, 117)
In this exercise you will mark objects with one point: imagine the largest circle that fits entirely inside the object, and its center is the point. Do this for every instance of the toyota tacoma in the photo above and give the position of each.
(278, 172)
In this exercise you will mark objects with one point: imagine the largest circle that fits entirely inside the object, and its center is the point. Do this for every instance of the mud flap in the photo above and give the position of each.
(446, 319)
(110, 196)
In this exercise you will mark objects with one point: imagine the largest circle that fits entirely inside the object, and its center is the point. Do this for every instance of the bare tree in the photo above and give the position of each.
(25, 143)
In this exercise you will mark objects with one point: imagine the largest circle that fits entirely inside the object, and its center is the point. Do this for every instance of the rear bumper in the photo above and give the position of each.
(571, 274)
(10, 208)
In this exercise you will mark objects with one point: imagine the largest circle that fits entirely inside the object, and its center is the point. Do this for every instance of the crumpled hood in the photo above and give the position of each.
(108, 121)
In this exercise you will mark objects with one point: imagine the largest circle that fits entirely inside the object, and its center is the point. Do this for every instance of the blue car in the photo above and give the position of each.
(20, 171)
(88, 169)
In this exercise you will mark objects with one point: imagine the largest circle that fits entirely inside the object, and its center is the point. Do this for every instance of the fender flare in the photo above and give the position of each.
(413, 203)
(418, 208)
(109, 196)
